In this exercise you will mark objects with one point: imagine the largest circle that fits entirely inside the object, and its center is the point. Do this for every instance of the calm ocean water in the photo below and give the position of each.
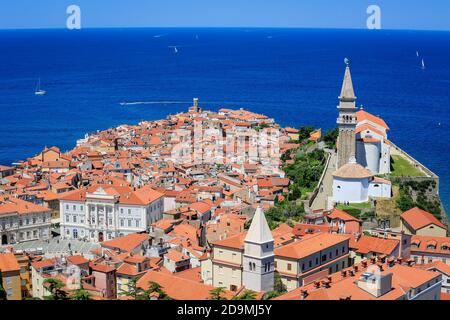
(291, 75)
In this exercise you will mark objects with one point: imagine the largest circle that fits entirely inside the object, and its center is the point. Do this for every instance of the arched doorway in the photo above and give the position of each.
(4, 239)
(100, 237)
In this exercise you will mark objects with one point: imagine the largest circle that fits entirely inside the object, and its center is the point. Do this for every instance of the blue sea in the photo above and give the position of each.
(291, 75)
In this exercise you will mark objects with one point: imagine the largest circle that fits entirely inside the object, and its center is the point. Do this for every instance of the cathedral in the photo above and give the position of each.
(361, 135)
(363, 151)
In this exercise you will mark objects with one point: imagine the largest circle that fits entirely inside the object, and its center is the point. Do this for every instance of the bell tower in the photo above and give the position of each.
(258, 261)
(346, 121)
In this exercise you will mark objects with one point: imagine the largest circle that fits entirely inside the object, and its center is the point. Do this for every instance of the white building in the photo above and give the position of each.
(103, 212)
(361, 134)
(258, 259)
(23, 221)
(372, 146)
(355, 184)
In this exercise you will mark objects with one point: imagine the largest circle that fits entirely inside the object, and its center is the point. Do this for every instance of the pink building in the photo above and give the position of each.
(341, 222)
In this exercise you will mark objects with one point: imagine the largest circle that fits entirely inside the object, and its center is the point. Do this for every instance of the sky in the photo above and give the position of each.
(395, 14)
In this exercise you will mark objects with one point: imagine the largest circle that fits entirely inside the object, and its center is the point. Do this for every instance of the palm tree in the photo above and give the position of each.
(55, 287)
(246, 295)
(81, 294)
(216, 293)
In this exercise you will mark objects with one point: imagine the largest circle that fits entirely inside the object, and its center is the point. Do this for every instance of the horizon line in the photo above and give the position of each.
(221, 27)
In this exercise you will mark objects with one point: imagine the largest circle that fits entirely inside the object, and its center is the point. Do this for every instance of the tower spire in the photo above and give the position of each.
(347, 91)
(346, 121)
(259, 231)
(258, 260)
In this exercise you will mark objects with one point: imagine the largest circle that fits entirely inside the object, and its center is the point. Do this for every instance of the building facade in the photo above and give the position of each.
(105, 212)
(22, 221)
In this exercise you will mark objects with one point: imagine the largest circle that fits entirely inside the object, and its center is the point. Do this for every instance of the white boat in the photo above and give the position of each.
(423, 64)
(39, 91)
(417, 53)
(175, 49)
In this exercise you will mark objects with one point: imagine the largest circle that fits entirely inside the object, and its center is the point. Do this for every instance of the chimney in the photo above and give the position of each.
(364, 263)
(303, 294)
(391, 261)
(399, 260)
(344, 274)
(355, 268)
(352, 273)
(316, 284)
(380, 265)
(373, 260)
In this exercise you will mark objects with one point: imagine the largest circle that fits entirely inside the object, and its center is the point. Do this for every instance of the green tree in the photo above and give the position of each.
(246, 295)
(3, 294)
(278, 288)
(305, 133)
(217, 293)
(155, 287)
(55, 286)
(405, 201)
(330, 138)
(81, 294)
(135, 292)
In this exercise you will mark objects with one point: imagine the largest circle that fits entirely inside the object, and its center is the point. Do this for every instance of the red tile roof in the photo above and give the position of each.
(418, 219)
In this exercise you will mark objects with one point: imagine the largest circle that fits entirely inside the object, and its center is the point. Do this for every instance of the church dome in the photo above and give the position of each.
(353, 170)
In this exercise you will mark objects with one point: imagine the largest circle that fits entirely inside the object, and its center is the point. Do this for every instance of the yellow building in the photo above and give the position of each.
(312, 258)
(226, 267)
(10, 276)
(419, 222)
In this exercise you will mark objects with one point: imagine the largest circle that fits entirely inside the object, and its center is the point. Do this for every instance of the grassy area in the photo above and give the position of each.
(364, 205)
(403, 168)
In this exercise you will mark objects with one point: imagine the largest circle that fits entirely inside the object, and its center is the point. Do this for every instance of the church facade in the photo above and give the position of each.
(363, 151)
(361, 135)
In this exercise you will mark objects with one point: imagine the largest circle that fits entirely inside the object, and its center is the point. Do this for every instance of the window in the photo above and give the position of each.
(67, 218)
(74, 219)
(324, 257)
(137, 223)
(67, 207)
(289, 266)
(129, 211)
(74, 207)
(129, 222)
(121, 222)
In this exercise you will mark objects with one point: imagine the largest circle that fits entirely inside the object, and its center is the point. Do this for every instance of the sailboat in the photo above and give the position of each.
(417, 53)
(39, 91)
(175, 49)
(423, 64)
